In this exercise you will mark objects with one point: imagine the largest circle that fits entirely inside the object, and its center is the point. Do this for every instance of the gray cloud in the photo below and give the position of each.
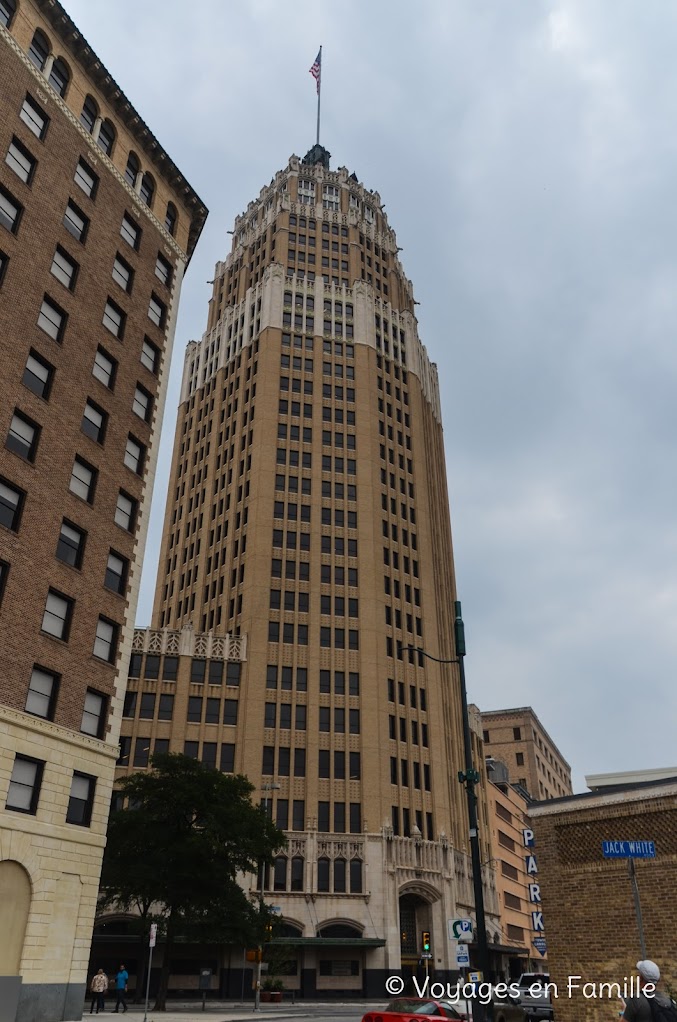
(527, 158)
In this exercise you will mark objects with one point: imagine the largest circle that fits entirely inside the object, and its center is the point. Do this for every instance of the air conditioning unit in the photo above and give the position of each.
(497, 771)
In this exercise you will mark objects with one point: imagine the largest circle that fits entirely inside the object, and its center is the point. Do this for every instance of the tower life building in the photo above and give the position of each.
(306, 542)
(96, 228)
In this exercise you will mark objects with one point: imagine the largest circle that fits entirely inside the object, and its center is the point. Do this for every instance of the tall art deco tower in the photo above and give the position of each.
(306, 542)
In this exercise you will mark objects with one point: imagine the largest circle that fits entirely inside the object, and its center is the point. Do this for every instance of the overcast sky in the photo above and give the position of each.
(526, 151)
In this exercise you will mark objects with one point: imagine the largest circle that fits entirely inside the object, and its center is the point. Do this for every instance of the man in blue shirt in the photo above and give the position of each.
(121, 988)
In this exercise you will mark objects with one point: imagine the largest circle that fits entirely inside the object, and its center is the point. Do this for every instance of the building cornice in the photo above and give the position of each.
(45, 729)
(523, 711)
(71, 37)
(598, 800)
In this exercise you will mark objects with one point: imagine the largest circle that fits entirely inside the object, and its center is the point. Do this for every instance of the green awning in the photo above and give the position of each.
(357, 942)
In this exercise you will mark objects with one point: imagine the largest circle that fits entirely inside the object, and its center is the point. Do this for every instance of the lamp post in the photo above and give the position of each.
(470, 778)
(266, 788)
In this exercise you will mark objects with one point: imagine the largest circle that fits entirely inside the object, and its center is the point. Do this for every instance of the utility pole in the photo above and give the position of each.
(266, 788)
(470, 778)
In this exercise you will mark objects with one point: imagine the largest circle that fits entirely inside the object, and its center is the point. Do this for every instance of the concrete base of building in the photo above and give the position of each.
(50, 1002)
(373, 986)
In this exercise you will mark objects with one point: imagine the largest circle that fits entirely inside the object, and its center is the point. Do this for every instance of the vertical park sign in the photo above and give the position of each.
(538, 940)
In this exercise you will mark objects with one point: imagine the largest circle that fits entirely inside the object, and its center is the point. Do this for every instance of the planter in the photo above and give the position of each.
(276, 996)
(266, 996)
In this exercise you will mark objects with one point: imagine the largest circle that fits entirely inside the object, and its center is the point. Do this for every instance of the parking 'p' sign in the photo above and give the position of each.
(460, 929)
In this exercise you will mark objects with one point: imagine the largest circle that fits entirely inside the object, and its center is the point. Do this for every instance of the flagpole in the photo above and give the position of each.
(319, 89)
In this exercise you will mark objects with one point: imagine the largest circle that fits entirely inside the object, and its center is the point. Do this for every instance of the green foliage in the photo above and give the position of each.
(176, 850)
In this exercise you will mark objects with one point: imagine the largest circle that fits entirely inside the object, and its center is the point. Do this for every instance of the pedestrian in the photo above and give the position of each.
(98, 987)
(121, 988)
(653, 1004)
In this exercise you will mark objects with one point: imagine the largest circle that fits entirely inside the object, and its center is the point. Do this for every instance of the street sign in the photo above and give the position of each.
(426, 954)
(462, 956)
(540, 945)
(629, 849)
(151, 944)
(460, 929)
(275, 909)
(474, 977)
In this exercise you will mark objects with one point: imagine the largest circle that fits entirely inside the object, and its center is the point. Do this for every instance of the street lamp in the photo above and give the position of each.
(470, 778)
(266, 788)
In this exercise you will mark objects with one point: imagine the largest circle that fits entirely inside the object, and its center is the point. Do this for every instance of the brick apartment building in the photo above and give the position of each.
(588, 898)
(96, 228)
(517, 738)
(306, 542)
(516, 867)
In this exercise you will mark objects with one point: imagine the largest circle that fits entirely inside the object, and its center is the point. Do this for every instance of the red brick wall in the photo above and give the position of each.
(31, 552)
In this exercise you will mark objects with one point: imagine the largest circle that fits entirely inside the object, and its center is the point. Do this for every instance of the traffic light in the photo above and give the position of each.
(425, 940)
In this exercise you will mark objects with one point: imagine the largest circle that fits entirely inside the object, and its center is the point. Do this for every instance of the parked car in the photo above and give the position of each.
(504, 1009)
(402, 1009)
(527, 978)
(533, 997)
(407, 1009)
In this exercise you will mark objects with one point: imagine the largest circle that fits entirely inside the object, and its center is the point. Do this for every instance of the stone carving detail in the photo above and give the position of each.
(187, 643)
(238, 647)
(202, 643)
(333, 848)
(156, 642)
(172, 643)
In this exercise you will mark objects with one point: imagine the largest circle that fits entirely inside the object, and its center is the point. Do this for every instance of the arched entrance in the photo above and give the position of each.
(415, 907)
(341, 961)
(15, 904)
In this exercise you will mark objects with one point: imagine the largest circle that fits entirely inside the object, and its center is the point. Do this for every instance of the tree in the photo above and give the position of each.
(175, 850)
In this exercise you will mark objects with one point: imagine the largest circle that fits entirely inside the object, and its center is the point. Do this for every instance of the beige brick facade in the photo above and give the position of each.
(73, 289)
(517, 738)
(308, 514)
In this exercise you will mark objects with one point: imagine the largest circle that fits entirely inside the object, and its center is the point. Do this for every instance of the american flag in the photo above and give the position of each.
(316, 69)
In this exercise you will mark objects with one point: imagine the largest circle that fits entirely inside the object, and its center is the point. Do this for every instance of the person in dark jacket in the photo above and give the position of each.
(638, 1009)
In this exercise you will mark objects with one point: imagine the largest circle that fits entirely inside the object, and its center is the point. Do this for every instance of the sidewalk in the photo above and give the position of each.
(229, 1011)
